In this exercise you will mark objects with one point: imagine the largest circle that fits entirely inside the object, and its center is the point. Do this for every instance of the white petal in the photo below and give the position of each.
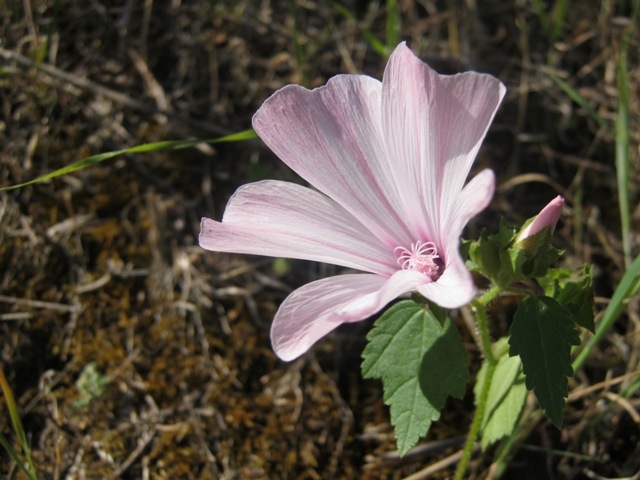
(314, 310)
(474, 198)
(282, 219)
(434, 125)
(454, 288)
(332, 137)
(548, 217)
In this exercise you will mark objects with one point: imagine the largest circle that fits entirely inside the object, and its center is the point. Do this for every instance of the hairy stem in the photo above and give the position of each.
(479, 306)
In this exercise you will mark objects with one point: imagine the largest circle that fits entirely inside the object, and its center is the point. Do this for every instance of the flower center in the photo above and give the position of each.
(423, 257)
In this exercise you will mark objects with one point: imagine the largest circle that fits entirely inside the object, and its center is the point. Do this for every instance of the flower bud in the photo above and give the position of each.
(548, 217)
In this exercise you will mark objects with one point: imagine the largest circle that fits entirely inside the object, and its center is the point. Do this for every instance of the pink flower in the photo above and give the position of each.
(548, 217)
(389, 161)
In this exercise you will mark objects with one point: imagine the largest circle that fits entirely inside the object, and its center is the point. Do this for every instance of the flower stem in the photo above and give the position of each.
(479, 307)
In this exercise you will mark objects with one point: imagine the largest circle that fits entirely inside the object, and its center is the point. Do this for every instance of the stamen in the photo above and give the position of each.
(421, 258)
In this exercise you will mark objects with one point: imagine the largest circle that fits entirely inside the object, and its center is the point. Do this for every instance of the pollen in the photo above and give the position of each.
(423, 257)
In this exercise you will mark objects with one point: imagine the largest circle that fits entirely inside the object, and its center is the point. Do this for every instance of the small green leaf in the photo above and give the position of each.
(421, 362)
(574, 294)
(507, 396)
(506, 414)
(542, 334)
(91, 384)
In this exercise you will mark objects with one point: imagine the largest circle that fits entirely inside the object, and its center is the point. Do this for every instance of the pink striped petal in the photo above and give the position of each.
(434, 126)
(454, 288)
(315, 309)
(282, 219)
(332, 137)
(548, 217)
(474, 198)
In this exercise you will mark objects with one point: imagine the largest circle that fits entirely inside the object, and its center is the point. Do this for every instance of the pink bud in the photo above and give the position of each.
(548, 217)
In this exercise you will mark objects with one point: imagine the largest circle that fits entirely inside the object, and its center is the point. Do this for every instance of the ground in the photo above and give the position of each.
(133, 353)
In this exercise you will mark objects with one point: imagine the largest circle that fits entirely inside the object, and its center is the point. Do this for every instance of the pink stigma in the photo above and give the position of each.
(421, 258)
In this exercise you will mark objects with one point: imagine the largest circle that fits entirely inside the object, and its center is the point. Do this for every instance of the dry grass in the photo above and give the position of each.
(103, 266)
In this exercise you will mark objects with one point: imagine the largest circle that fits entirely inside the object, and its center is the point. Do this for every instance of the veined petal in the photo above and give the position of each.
(314, 310)
(282, 219)
(454, 288)
(474, 198)
(548, 217)
(434, 125)
(332, 137)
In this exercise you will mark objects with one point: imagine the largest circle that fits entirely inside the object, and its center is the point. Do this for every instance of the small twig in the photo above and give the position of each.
(578, 394)
(624, 403)
(26, 302)
(118, 97)
(142, 444)
(436, 467)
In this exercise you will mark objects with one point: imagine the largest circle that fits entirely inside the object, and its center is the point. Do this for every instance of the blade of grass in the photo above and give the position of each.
(394, 26)
(542, 16)
(17, 424)
(628, 287)
(623, 162)
(373, 41)
(559, 13)
(623, 158)
(14, 456)
(145, 148)
(579, 99)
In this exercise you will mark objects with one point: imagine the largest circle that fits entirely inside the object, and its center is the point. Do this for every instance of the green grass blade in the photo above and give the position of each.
(145, 148)
(623, 158)
(542, 16)
(579, 99)
(394, 26)
(628, 287)
(623, 161)
(14, 456)
(373, 41)
(15, 420)
(559, 13)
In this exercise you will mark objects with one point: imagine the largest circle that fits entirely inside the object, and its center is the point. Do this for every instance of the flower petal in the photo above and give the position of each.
(434, 125)
(474, 198)
(548, 217)
(282, 219)
(454, 288)
(332, 137)
(315, 309)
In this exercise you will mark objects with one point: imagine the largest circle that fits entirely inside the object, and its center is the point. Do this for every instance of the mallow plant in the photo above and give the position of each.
(389, 162)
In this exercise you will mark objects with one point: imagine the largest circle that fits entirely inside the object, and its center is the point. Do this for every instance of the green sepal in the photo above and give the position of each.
(489, 254)
(532, 256)
(506, 261)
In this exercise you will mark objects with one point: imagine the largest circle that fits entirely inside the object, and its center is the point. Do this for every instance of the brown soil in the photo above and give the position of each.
(103, 265)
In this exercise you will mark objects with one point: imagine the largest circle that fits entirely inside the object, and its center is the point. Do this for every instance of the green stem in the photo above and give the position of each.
(479, 307)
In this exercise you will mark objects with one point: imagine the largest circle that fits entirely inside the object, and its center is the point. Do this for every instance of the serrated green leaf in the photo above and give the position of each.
(507, 395)
(573, 292)
(421, 362)
(542, 334)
